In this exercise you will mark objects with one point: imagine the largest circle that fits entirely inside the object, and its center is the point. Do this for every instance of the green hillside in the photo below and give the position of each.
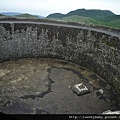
(83, 13)
(109, 18)
(1, 15)
(80, 19)
(27, 16)
(55, 15)
(90, 13)
(114, 23)
(111, 21)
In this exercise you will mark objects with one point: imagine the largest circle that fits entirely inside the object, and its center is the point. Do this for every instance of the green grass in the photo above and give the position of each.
(80, 19)
(110, 21)
(115, 24)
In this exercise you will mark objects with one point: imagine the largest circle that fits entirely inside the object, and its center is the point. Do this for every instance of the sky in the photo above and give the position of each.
(46, 7)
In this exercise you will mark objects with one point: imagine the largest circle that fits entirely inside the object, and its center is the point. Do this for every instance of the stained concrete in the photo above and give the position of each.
(44, 86)
(95, 49)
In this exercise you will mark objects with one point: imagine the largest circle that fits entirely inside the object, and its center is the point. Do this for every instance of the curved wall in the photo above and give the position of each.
(96, 51)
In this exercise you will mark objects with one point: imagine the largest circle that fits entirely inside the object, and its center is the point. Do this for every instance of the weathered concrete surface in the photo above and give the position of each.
(96, 51)
(44, 86)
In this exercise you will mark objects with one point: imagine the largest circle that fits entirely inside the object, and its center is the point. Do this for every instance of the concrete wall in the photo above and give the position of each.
(96, 51)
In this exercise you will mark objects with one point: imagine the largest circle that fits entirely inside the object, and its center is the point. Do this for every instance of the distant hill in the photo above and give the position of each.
(26, 15)
(17, 14)
(40, 16)
(84, 13)
(2, 15)
(90, 13)
(10, 13)
(55, 15)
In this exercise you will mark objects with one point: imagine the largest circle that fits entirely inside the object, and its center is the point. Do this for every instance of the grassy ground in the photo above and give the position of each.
(111, 21)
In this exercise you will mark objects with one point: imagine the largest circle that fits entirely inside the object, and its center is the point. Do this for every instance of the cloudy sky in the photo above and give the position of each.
(46, 7)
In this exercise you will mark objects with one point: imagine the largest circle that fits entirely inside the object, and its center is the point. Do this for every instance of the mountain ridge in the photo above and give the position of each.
(92, 13)
(26, 15)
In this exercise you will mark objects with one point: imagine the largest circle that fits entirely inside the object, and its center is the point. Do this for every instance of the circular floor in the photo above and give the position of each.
(44, 86)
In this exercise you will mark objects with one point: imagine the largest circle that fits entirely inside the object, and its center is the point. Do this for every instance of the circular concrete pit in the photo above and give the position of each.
(44, 86)
(50, 86)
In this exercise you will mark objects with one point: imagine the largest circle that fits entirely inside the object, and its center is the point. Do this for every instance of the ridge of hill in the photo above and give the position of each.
(27, 16)
(55, 15)
(12, 14)
(93, 13)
